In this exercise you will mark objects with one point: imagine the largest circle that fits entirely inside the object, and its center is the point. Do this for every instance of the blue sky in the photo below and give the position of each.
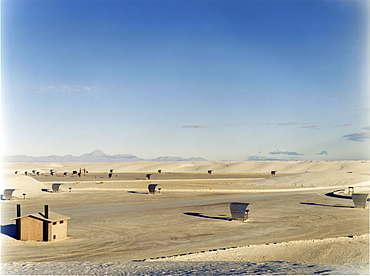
(219, 79)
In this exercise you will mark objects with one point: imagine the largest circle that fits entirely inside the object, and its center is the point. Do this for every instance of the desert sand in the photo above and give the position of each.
(302, 220)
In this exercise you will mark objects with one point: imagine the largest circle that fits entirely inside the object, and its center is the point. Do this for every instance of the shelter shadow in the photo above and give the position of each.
(46, 190)
(9, 230)
(134, 192)
(325, 205)
(204, 216)
(332, 194)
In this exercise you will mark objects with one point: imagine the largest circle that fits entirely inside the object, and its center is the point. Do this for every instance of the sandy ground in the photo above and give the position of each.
(329, 249)
(182, 268)
(302, 215)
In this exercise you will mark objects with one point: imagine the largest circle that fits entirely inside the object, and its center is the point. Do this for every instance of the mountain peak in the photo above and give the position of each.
(94, 156)
(97, 153)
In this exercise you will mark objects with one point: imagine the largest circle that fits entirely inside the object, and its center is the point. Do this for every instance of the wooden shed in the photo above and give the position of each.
(49, 226)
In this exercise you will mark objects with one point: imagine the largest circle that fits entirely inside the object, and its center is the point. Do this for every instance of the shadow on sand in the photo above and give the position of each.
(47, 190)
(332, 194)
(317, 204)
(140, 193)
(204, 216)
(9, 230)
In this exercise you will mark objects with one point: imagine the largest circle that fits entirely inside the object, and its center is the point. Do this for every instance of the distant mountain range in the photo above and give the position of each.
(95, 156)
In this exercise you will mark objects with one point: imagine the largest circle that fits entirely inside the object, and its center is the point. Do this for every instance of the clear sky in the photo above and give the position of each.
(218, 79)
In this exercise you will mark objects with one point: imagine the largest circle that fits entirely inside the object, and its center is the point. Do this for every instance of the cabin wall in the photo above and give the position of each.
(58, 230)
(31, 229)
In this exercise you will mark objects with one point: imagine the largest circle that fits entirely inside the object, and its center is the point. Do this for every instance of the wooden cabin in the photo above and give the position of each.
(49, 226)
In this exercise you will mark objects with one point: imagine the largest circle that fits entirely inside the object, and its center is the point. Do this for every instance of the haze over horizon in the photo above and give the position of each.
(222, 80)
(100, 156)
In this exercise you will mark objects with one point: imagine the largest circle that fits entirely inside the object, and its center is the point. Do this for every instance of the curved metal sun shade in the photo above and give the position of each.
(55, 187)
(153, 188)
(239, 211)
(360, 200)
(8, 193)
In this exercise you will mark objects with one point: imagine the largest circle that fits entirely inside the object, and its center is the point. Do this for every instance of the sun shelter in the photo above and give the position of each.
(55, 187)
(239, 211)
(47, 226)
(360, 200)
(8, 194)
(153, 188)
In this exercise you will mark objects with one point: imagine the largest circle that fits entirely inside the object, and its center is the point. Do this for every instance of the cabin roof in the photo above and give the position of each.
(52, 216)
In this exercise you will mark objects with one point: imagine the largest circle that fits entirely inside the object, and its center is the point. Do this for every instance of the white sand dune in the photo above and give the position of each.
(198, 166)
(315, 179)
(333, 254)
(302, 174)
(23, 185)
